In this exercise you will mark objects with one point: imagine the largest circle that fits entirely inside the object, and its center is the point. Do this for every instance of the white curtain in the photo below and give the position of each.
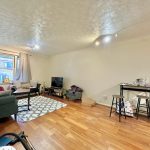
(22, 72)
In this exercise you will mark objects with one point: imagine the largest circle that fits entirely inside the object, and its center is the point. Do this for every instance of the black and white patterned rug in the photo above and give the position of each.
(40, 106)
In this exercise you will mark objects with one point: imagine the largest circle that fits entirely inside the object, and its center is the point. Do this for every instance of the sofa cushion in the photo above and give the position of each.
(25, 85)
(5, 93)
(7, 99)
(4, 86)
(1, 88)
(17, 84)
(33, 83)
(75, 88)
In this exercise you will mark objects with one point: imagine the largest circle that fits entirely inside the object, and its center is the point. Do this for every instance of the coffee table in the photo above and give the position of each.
(23, 92)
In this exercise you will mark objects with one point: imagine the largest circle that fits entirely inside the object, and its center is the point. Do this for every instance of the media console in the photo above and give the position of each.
(56, 91)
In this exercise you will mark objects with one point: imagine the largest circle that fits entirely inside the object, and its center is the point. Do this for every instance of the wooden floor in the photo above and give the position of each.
(78, 127)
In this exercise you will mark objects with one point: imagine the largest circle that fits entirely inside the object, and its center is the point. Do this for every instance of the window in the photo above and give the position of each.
(6, 68)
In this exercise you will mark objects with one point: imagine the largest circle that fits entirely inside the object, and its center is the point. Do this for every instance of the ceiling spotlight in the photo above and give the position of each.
(36, 47)
(116, 35)
(97, 43)
(107, 39)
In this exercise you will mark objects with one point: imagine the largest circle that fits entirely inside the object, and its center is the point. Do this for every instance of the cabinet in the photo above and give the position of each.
(56, 91)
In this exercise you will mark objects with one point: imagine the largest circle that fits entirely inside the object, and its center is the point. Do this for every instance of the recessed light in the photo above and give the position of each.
(116, 35)
(36, 47)
(107, 39)
(97, 43)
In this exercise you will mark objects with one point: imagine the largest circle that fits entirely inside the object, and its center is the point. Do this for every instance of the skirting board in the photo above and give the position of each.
(103, 104)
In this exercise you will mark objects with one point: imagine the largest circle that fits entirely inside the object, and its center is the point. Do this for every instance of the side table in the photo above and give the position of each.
(22, 92)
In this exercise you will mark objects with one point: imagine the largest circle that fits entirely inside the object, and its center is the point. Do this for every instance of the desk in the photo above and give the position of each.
(130, 87)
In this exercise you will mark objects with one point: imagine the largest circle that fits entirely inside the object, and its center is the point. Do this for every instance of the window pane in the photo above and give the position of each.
(6, 67)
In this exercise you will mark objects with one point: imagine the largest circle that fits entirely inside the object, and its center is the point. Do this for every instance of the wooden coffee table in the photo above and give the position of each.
(22, 92)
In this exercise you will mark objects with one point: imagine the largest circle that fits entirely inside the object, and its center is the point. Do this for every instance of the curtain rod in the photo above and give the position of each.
(13, 52)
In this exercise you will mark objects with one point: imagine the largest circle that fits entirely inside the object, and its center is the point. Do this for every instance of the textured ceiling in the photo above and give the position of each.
(66, 25)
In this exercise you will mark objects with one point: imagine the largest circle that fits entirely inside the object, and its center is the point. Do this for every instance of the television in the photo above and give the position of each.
(57, 82)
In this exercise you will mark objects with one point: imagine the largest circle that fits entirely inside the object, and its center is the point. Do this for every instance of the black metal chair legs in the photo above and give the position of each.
(144, 105)
(118, 101)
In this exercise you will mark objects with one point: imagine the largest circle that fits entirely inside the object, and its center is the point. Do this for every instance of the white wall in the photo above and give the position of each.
(99, 70)
(39, 68)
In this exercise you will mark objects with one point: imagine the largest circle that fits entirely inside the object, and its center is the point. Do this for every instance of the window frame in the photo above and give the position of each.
(14, 64)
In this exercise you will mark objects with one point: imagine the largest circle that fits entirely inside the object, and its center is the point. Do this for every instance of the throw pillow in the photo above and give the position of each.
(5, 93)
(17, 84)
(1, 88)
(25, 86)
(33, 83)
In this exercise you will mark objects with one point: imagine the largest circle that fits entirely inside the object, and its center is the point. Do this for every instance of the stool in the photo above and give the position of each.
(146, 105)
(118, 101)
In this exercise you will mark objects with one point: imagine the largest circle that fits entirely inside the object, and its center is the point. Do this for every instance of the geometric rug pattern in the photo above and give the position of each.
(40, 106)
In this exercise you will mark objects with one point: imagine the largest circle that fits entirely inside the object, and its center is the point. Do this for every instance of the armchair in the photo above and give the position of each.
(74, 93)
(8, 105)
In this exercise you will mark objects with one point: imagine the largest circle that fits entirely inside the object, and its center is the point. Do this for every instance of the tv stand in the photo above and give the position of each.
(56, 91)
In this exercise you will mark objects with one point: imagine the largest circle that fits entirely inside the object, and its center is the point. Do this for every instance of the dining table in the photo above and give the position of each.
(133, 87)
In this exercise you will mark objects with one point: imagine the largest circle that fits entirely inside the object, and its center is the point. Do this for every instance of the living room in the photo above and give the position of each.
(96, 48)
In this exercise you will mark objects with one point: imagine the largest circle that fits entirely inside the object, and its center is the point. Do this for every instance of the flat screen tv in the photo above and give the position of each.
(57, 82)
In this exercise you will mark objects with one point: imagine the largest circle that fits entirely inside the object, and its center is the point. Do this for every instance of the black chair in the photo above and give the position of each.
(74, 93)
(145, 105)
(35, 89)
(13, 138)
(118, 101)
